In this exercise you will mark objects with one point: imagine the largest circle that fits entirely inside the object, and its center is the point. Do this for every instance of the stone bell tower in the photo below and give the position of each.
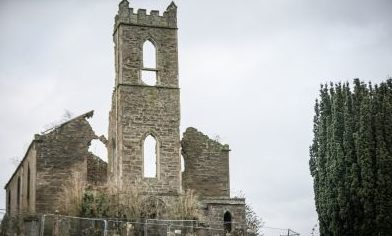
(145, 101)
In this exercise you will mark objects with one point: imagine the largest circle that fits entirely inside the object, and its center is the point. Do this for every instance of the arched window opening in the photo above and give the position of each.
(150, 157)
(149, 55)
(227, 222)
(28, 184)
(18, 195)
(149, 70)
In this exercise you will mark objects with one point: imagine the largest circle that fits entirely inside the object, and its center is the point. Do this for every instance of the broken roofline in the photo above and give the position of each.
(86, 115)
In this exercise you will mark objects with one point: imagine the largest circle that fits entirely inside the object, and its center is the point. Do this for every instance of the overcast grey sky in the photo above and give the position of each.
(249, 72)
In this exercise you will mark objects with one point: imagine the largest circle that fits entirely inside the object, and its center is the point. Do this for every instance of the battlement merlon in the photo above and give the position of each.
(126, 15)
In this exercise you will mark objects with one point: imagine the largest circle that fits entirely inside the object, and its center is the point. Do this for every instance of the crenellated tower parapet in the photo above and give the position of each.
(126, 15)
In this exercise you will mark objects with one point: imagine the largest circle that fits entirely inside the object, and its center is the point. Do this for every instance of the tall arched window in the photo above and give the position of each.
(150, 160)
(149, 70)
(227, 221)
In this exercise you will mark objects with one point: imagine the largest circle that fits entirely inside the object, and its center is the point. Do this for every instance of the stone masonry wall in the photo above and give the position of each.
(206, 165)
(50, 162)
(216, 209)
(139, 110)
(96, 170)
(27, 193)
(127, 16)
(150, 111)
(129, 40)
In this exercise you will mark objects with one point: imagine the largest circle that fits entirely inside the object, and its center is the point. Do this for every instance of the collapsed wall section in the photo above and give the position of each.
(61, 154)
(206, 165)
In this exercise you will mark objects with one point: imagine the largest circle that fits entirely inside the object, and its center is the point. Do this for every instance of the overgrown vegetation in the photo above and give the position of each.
(351, 159)
(10, 226)
(254, 223)
(72, 196)
(130, 203)
(186, 207)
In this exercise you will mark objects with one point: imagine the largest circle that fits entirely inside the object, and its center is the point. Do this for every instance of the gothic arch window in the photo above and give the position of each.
(149, 68)
(150, 157)
(227, 222)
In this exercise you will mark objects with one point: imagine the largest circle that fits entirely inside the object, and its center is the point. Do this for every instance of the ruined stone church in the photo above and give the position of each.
(145, 106)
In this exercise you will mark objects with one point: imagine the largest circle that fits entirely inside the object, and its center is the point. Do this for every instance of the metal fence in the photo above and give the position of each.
(58, 225)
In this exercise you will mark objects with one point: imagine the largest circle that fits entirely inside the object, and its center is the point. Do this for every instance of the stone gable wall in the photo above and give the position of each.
(61, 154)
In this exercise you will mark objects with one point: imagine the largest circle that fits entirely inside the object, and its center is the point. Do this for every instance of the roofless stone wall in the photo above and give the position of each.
(62, 153)
(206, 165)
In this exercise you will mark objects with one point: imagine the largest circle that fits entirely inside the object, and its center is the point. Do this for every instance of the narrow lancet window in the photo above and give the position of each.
(150, 157)
(149, 55)
(149, 70)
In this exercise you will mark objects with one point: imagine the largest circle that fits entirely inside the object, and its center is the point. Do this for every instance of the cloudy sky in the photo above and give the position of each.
(249, 73)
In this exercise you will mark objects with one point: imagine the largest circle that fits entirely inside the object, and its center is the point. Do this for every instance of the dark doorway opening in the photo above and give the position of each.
(227, 221)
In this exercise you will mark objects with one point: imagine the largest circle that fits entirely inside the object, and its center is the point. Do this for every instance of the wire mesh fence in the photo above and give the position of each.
(58, 225)
(268, 231)
(71, 226)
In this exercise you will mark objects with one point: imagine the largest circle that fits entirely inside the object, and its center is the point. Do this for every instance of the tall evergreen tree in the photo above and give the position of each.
(351, 159)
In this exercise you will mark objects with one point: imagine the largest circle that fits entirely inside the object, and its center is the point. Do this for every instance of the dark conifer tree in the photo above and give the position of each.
(351, 159)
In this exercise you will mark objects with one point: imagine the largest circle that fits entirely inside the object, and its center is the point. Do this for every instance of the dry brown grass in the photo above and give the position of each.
(186, 207)
(125, 203)
(71, 200)
(131, 203)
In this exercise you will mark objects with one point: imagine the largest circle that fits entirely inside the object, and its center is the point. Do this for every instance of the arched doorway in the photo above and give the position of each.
(227, 222)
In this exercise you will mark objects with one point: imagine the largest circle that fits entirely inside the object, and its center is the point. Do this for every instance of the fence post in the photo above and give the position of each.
(168, 229)
(145, 228)
(56, 224)
(42, 228)
(105, 231)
